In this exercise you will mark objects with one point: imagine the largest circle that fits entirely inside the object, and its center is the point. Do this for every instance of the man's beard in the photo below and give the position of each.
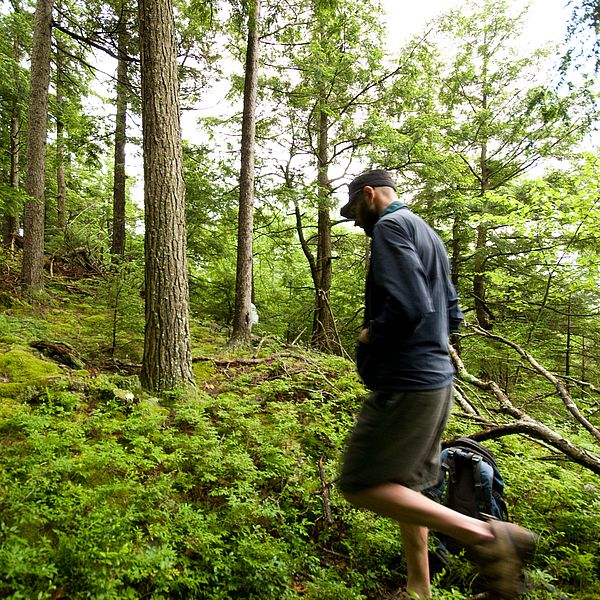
(368, 219)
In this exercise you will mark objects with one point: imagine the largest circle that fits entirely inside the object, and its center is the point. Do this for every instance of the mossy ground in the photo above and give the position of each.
(109, 492)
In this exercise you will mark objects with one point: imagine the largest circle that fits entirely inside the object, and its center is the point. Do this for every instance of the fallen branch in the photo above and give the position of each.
(523, 422)
(583, 384)
(561, 388)
(247, 361)
(325, 492)
(462, 400)
(59, 352)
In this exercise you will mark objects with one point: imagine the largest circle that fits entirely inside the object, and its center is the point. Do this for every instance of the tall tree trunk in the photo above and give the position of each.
(61, 182)
(324, 336)
(479, 278)
(481, 252)
(10, 225)
(118, 220)
(167, 361)
(456, 252)
(33, 242)
(569, 336)
(242, 323)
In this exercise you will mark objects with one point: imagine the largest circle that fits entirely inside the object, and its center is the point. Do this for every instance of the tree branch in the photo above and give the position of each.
(561, 388)
(523, 422)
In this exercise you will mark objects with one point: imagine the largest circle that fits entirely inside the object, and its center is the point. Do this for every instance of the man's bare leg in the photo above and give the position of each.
(500, 549)
(410, 507)
(414, 540)
(416, 515)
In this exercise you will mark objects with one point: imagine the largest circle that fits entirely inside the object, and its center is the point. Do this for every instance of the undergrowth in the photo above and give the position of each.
(224, 491)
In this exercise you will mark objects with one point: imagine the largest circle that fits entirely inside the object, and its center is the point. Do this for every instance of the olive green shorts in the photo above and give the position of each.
(397, 438)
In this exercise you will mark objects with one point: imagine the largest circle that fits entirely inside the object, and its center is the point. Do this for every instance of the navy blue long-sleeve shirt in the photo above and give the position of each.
(411, 307)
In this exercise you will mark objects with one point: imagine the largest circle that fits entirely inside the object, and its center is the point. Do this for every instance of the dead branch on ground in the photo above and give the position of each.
(560, 387)
(522, 422)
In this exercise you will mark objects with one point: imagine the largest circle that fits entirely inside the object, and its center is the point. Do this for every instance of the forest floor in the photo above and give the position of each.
(223, 490)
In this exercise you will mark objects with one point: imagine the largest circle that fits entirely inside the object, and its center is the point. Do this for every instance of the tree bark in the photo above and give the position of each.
(479, 276)
(32, 273)
(242, 323)
(324, 335)
(119, 182)
(480, 266)
(61, 181)
(167, 361)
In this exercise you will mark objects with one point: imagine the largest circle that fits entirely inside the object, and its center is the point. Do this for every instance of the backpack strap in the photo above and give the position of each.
(471, 445)
(501, 504)
(476, 463)
(449, 465)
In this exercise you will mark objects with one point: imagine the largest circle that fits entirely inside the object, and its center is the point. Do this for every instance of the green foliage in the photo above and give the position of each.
(541, 272)
(110, 493)
(11, 200)
(122, 328)
(216, 493)
(214, 496)
(584, 44)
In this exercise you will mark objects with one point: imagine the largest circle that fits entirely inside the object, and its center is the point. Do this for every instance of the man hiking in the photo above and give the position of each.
(411, 307)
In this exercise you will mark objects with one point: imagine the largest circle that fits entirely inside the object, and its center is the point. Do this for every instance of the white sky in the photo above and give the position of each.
(546, 18)
(546, 24)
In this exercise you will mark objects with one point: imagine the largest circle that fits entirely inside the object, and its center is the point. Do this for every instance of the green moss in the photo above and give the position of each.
(204, 371)
(20, 369)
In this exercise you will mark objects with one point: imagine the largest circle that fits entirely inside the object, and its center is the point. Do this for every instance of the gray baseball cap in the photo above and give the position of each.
(374, 178)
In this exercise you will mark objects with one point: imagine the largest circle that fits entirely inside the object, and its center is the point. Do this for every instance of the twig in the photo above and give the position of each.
(260, 345)
(298, 337)
(325, 492)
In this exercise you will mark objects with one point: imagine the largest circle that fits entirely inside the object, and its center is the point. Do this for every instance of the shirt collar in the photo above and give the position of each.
(393, 207)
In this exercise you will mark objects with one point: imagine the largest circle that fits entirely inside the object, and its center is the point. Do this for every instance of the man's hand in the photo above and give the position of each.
(363, 336)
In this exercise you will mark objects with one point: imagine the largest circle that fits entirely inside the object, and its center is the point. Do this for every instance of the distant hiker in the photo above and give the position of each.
(402, 357)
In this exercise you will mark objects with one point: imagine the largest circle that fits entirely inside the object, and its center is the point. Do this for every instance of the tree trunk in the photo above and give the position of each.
(242, 323)
(33, 242)
(10, 225)
(455, 257)
(479, 285)
(167, 361)
(479, 276)
(324, 335)
(61, 182)
(569, 335)
(118, 220)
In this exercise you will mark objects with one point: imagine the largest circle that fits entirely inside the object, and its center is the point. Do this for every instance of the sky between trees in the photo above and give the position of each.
(547, 22)
(547, 19)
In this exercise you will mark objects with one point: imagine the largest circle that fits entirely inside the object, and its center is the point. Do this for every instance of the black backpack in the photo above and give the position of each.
(470, 481)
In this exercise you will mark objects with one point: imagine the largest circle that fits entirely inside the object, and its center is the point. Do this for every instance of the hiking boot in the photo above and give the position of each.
(501, 560)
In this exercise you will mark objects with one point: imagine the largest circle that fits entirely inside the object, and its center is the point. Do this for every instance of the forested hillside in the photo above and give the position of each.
(176, 375)
(228, 490)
